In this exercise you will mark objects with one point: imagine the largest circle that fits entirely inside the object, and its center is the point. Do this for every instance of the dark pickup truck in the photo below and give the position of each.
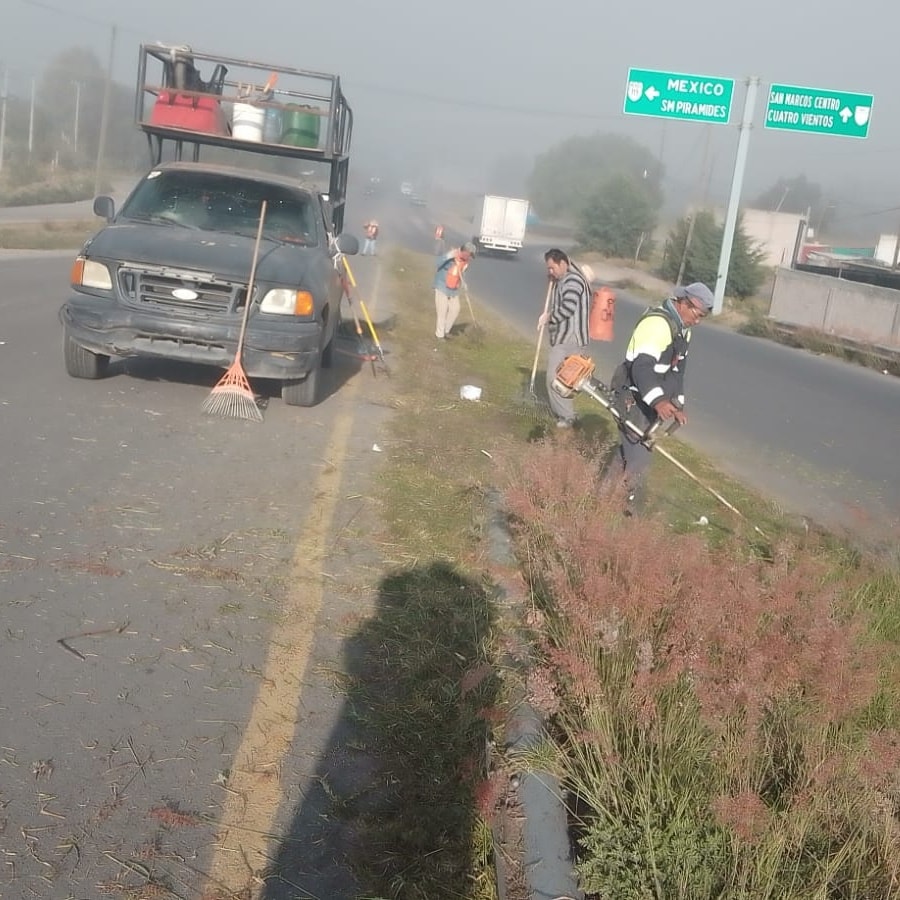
(167, 277)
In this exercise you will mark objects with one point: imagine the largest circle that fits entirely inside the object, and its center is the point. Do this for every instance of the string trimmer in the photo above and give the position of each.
(575, 373)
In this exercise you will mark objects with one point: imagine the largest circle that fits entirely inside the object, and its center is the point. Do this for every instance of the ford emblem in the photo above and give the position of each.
(184, 294)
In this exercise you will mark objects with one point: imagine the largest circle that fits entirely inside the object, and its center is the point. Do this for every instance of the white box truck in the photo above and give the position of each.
(500, 223)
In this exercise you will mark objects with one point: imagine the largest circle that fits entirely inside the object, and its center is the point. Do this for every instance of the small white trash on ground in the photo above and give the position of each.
(469, 392)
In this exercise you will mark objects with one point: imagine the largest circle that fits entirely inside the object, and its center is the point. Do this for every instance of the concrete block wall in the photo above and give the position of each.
(846, 309)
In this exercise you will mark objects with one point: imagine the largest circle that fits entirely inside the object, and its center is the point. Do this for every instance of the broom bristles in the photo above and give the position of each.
(233, 397)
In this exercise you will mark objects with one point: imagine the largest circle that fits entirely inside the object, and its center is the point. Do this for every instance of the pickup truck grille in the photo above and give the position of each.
(173, 292)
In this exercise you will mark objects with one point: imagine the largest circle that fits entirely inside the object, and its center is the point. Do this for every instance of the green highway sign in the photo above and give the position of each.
(672, 95)
(818, 111)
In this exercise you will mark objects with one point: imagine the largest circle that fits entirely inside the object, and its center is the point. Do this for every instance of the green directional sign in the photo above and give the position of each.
(672, 95)
(818, 111)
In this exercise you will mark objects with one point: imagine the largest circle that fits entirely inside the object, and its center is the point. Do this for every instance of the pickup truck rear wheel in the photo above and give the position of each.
(82, 363)
(303, 391)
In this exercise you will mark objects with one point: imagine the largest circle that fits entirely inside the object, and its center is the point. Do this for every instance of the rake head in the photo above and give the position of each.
(232, 397)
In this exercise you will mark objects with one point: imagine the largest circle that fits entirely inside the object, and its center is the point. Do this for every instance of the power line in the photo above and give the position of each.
(63, 11)
(481, 104)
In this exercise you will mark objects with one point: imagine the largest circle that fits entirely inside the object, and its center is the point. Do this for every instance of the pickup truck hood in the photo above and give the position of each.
(229, 256)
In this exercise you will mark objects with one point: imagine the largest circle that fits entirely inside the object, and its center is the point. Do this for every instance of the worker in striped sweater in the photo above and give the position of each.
(566, 320)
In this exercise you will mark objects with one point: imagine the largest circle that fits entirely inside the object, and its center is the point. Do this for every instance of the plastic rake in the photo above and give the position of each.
(232, 397)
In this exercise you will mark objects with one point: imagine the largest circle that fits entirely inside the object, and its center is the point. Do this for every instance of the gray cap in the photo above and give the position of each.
(469, 247)
(698, 291)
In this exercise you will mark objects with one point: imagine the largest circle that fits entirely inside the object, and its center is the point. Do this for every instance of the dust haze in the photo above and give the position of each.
(466, 94)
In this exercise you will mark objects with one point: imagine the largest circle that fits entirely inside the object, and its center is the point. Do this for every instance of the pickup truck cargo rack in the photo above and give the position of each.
(244, 105)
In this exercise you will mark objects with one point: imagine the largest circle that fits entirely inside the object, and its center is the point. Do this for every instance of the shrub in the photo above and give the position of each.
(616, 217)
(708, 708)
(746, 272)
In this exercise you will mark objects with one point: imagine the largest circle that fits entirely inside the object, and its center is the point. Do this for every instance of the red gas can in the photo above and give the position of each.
(175, 110)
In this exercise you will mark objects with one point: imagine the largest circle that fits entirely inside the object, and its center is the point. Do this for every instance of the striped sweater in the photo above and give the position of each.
(570, 302)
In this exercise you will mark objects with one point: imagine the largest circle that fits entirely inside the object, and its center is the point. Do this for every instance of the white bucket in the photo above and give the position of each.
(247, 122)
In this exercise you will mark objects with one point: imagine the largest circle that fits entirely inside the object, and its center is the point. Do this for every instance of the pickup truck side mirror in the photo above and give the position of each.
(105, 207)
(347, 244)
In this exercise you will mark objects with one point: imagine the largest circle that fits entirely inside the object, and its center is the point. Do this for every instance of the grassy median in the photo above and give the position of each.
(711, 693)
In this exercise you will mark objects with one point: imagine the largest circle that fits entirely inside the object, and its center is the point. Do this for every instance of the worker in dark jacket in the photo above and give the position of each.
(648, 386)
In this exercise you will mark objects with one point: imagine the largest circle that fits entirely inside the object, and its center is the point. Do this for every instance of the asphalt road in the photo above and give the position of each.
(175, 596)
(815, 434)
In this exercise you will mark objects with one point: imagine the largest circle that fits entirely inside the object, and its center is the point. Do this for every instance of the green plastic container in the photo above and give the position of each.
(301, 127)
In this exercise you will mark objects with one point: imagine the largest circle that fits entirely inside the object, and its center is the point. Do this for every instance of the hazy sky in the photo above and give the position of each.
(455, 85)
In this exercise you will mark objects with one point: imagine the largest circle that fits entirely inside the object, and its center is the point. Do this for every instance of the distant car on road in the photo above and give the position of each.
(406, 188)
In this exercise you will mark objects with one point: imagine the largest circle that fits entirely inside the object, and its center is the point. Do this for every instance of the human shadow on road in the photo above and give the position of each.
(391, 809)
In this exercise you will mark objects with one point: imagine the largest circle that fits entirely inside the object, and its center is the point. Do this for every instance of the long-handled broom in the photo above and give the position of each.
(362, 349)
(537, 349)
(465, 288)
(362, 306)
(232, 397)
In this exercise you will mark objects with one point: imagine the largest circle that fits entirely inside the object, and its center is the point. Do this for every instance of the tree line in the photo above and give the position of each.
(609, 187)
(58, 126)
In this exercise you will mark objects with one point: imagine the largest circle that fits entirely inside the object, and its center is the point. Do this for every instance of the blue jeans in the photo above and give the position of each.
(368, 247)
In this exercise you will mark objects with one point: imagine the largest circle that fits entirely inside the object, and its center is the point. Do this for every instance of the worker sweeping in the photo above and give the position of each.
(648, 385)
(447, 280)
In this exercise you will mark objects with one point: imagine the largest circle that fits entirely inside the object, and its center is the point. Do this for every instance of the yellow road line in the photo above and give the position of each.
(255, 790)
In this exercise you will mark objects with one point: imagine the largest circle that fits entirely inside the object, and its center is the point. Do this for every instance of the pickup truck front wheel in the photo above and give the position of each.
(82, 363)
(303, 391)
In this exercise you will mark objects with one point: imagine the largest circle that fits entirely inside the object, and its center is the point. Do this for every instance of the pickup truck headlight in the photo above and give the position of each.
(88, 273)
(288, 303)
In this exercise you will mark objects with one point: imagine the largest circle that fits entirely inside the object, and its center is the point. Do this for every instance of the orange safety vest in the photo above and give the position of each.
(439, 233)
(455, 273)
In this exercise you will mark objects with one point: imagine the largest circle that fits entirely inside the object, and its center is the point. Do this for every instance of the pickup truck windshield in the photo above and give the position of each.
(213, 202)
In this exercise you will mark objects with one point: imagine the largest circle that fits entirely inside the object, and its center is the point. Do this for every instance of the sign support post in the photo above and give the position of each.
(734, 199)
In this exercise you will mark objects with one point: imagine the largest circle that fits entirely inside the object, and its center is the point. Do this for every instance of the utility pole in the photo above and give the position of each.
(701, 190)
(787, 190)
(5, 91)
(896, 250)
(734, 200)
(77, 106)
(31, 120)
(104, 117)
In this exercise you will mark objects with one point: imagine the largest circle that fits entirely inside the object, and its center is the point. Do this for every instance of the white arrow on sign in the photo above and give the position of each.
(845, 114)
(651, 93)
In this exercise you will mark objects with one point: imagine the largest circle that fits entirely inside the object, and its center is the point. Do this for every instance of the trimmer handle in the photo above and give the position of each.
(660, 429)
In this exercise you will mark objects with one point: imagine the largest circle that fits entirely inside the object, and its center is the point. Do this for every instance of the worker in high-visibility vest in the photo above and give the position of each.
(447, 281)
(648, 385)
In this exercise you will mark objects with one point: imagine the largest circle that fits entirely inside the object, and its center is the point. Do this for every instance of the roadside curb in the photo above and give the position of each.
(546, 853)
